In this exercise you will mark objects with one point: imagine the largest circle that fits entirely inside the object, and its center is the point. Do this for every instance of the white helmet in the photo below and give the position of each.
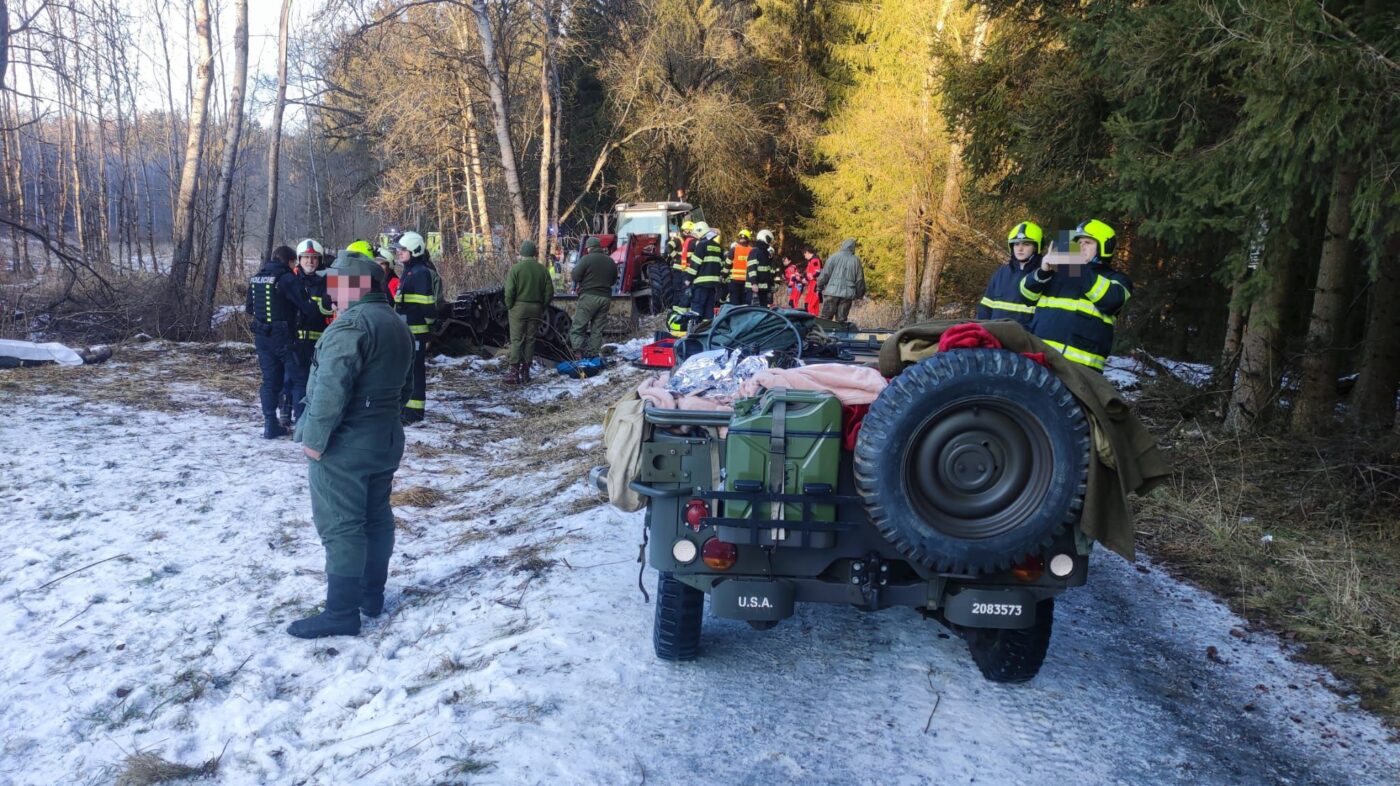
(412, 242)
(309, 246)
(765, 236)
(700, 229)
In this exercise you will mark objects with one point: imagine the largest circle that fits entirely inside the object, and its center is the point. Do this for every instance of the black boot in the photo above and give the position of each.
(342, 614)
(272, 429)
(376, 575)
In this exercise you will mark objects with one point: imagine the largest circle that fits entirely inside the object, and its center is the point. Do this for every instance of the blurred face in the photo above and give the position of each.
(308, 263)
(1022, 251)
(1088, 248)
(346, 290)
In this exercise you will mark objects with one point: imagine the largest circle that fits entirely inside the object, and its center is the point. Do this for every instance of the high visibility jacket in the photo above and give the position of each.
(761, 273)
(1003, 298)
(711, 262)
(420, 290)
(684, 263)
(317, 313)
(274, 295)
(736, 267)
(673, 253)
(1076, 308)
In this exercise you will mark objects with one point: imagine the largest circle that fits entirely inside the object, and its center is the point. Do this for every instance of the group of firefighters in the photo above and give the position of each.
(1071, 307)
(705, 275)
(291, 308)
(347, 342)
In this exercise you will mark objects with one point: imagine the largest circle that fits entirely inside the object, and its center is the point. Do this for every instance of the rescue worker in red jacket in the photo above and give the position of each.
(792, 276)
(813, 300)
(385, 257)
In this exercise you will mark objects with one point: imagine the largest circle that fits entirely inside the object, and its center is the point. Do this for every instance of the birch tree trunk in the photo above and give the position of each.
(274, 144)
(232, 135)
(1317, 399)
(478, 176)
(175, 300)
(546, 127)
(500, 115)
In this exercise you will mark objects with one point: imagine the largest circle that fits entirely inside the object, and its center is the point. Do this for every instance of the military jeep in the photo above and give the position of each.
(961, 498)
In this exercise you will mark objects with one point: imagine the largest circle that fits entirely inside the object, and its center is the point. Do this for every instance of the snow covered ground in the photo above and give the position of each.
(155, 548)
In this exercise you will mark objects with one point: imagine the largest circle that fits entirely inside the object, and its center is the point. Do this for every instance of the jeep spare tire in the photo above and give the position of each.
(972, 460)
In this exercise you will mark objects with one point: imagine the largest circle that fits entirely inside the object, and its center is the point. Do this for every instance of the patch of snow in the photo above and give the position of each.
(164, 554)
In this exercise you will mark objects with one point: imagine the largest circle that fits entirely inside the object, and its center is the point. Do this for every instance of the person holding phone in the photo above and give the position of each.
(1077, 306)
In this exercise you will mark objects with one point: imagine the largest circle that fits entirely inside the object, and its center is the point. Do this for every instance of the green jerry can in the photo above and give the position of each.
(798, 430)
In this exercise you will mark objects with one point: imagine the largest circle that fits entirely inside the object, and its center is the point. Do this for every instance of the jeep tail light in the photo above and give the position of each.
(696, 511)
(1030, 570)
(719, 555)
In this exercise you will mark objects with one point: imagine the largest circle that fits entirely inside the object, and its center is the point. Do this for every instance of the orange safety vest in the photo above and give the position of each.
(739, 266)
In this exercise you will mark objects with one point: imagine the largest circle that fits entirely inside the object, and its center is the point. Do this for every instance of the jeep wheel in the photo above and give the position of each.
(679, 613)
(658, 277)
(972, 460)
(1011, 655)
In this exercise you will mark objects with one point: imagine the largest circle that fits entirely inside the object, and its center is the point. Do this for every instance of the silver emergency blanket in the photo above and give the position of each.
(30, 352)
(718, 372)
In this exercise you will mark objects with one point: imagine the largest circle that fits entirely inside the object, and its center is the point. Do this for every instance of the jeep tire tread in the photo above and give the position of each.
(680, 612)
(972, 460)
(1011, 655)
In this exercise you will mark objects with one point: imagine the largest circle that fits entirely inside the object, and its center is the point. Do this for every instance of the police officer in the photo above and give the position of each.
(353, 441)
(1003, 298)
(528, 290)
(420, 291)
(708, 272)
(595, 275)
(1076, 306)
(273, 302)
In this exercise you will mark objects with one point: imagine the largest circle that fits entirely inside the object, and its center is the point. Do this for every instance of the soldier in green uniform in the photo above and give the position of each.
(350, 431)
(595, 275)
(528, 290)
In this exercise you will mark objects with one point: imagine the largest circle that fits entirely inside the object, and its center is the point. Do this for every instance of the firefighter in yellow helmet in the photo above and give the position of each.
(1003, 298)
(1076, 307)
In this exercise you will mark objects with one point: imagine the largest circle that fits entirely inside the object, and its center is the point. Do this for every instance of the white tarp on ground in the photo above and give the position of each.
(28, 350)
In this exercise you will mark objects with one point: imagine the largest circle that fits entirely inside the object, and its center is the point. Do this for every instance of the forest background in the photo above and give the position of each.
(1246, 151)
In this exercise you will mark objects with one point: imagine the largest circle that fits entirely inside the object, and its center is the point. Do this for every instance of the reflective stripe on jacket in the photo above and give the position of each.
(1076, 308)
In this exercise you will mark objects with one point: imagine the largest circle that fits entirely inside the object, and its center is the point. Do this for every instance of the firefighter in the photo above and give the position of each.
(273, 302)
(761, 272)
(316, 313)
(353, 442)
(1003, 298)
(420, 291)
(1076, 306)
(681, 275)
(708, 273)
(735, 269)
(595, 275)
(385, 257)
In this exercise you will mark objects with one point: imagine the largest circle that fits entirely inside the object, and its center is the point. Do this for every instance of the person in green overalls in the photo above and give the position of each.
(595, 275)
(360, 379)
(528, 290)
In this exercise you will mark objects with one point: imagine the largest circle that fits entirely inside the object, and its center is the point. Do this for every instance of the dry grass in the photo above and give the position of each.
(146, 769)
(1301, 535)
(418, 497)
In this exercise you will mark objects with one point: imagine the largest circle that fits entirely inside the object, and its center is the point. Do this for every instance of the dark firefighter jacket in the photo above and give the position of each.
(1003, 298)
(420, 289)
(710, 257)
(1076, 308)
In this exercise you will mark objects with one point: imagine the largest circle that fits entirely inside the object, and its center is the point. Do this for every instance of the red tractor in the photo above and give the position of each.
(638, 245)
